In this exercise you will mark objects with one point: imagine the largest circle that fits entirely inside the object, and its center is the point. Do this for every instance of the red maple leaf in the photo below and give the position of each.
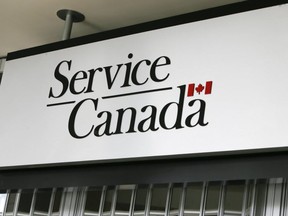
(199, 88)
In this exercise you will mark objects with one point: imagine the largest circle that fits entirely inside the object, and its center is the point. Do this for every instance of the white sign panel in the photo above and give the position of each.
(211, 86)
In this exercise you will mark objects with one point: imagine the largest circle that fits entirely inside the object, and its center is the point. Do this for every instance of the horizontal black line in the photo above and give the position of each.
(135, 93)
(63, 103)
(114, 96)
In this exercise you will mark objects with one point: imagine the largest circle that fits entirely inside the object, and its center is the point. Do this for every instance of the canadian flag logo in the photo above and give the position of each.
(193, 89)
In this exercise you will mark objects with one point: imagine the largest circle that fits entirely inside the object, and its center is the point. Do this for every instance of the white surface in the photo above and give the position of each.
(245, 55)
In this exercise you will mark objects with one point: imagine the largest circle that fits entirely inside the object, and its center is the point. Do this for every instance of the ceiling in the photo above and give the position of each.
(30, 23)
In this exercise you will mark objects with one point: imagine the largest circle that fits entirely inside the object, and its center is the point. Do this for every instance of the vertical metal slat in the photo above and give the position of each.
(183, 198)
(102, 202)
(253, 203)
(80, 199)
(132, 202)
(66, 201)
(148, 200)
(168, 199)
(266, 196)
(283, 197)
(33, 202)
(62, 202)
(52, 200)
(6, 202)
(245, 197)
(286, 199)
(114, 200)
(222, 198)
(17, 199)
(203, 198)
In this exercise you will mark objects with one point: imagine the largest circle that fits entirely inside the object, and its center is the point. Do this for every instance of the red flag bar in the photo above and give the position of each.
(191, 88)
(208, 87)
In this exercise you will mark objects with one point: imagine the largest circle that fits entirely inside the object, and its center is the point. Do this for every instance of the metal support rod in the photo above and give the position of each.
(69, 16)
(67, 26)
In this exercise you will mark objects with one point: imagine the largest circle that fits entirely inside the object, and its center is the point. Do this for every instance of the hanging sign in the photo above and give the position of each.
(207, 87)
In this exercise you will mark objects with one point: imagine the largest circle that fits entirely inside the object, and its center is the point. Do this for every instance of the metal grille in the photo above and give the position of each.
(228, 198)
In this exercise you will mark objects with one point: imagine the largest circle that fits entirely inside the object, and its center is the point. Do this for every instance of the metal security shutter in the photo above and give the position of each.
(229, 198)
